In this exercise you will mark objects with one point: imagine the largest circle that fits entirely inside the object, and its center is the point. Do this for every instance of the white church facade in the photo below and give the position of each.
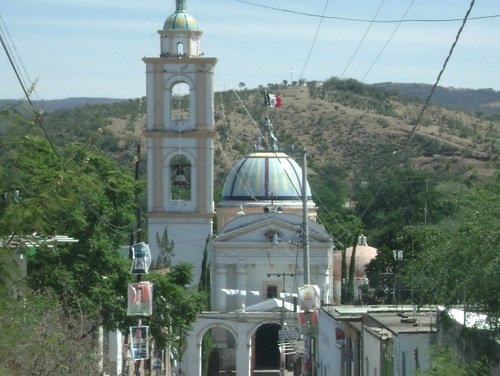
(256, 256)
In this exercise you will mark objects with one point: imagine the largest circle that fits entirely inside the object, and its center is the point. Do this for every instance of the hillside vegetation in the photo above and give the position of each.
(356, 128)
(346, 127)
(354, 133)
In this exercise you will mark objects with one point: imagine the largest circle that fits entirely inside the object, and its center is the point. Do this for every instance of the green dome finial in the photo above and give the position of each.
(180, 20)
(180, 5)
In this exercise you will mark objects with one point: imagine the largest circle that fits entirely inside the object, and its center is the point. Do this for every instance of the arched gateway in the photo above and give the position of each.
(253, 345)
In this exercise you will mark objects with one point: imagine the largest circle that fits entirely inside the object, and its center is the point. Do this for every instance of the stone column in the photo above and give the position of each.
(191, 360)
(243, 351)
(220, 283)
(241, 284)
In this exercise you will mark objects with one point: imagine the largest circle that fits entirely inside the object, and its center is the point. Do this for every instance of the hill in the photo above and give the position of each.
(51, 105)
(351, 130)
(485, 101)
(356, 129)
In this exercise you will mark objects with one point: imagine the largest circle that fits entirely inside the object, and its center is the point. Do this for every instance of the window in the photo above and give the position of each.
(179, 106)
(180, 178)
(403, 360)
(180, 48)
(271, 291)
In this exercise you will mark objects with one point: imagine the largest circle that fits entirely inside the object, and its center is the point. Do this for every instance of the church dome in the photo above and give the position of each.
(265, 175)
(363, 256)
(180, 20)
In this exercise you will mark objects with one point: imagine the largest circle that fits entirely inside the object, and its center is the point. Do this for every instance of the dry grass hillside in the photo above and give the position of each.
(350, 131)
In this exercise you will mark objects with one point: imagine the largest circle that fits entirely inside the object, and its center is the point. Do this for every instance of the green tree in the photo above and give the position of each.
(388, 204)
(459, 259)
(175, 307)
(81, 193)
(41, 338)
(445, 362)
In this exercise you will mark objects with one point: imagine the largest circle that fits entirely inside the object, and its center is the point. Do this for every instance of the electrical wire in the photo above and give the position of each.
(388, 40)
(351, 19)
(36, 112)
(399, 154)
(428, 99)
(39, 122)
(362, 39)
(27, 82)
(314, 41)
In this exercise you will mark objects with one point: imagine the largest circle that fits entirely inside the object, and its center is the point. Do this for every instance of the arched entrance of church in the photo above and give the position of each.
(218, 352)
(266, 351)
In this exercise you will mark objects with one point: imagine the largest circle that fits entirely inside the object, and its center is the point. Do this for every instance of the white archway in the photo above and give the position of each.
(242, 325)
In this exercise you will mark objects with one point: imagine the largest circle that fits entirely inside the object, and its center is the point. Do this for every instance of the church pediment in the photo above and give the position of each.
(269, 228)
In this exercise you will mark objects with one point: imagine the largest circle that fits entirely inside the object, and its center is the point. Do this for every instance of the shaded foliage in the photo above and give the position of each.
(40, 337)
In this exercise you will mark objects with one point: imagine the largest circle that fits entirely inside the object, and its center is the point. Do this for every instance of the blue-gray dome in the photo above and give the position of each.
(265, 176)
(180, 20)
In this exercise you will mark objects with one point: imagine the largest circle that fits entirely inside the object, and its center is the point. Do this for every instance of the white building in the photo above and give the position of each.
(375, 340)
(257, 255)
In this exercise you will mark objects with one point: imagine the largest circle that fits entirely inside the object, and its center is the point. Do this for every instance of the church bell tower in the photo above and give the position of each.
(180, 141)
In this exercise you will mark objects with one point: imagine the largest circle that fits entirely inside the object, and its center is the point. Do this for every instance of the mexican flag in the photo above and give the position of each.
(272, 100)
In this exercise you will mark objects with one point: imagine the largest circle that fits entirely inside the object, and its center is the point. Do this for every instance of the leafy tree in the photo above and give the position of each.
(445, 362)
(78, 191)
(40, 338)
(175, 307)
(388, 204)
(459, 260)
(81, 193)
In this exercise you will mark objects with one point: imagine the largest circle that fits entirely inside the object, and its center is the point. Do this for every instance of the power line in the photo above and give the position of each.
(362, 39)
(388, 40)
(399, 155)
(37, 118)
(314, 41)
(38, 121)
(457, 37)
(351, 19)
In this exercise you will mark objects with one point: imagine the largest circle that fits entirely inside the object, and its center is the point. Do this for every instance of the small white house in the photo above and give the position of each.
(374, 340)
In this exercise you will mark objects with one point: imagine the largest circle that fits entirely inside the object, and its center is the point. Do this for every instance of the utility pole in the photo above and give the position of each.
(282, 318)
(305, 222)
(308, 361)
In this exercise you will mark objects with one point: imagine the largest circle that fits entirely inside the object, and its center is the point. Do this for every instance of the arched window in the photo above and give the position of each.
(180, 102)
(180, 178)
(180, 49)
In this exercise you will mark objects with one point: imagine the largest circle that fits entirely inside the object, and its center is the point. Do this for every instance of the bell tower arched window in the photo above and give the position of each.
(180, 178)
(180, 49)
(180, 102)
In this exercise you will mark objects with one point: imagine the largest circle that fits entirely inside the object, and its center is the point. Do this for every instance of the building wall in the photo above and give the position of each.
(372, 355)
(411, 352)
(329, 353)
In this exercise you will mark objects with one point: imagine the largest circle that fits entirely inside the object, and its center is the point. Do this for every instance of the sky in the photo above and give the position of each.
(94, 48)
